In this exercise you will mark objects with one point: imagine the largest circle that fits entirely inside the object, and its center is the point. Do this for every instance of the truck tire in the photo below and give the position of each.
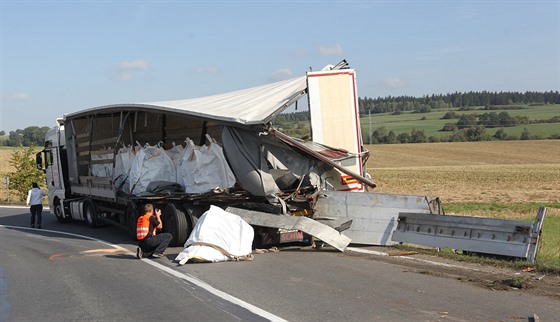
(90, 213)
(175, 222)
(131, 219)
(58, 212)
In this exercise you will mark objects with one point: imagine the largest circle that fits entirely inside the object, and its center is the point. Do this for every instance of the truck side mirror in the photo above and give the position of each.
(39, 161)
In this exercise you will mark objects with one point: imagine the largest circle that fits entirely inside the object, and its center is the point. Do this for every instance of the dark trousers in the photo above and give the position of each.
(36, 210)
(155, 244)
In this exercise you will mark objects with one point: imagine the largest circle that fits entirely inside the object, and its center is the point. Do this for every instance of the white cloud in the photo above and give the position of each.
(281, 74)
(207, 70)
(331, 51)
(298, 53)
(123, 76)
(138, 64)
(124, 71)
(21, 96)
(394, 82)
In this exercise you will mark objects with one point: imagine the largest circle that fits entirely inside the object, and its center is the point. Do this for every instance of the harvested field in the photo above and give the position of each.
(497, 172)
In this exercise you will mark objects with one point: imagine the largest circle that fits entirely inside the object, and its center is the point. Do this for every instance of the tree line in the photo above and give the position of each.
(32, 135)
(424, 104)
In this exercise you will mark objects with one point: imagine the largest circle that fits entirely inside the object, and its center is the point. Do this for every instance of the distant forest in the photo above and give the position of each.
(427, 103)
(468, 127)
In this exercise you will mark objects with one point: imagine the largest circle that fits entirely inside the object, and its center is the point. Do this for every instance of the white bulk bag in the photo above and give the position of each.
(204, 168)
(102, 169)
(218, 236)
(123, 163)
(150, 164)
(176, 154)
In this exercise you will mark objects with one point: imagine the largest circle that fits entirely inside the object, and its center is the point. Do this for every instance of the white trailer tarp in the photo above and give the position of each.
(256, 105)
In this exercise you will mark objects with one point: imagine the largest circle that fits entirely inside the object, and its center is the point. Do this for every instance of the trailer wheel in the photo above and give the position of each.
(58, 212)
(175, 222)
(90, 213)
(131, 219)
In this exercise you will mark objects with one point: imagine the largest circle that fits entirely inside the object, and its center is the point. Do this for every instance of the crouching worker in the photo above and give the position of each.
(150, 242)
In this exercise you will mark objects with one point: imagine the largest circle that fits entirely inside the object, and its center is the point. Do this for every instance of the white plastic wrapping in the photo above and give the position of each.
(222, 229)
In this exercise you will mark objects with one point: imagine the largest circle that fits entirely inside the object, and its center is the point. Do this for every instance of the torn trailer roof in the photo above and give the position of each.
(252, 106)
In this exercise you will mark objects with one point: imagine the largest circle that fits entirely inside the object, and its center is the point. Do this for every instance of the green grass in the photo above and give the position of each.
(549, 250)
(519, 208)
(432, 123)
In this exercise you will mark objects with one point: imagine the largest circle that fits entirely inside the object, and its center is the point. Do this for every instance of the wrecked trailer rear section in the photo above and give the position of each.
(103, 164)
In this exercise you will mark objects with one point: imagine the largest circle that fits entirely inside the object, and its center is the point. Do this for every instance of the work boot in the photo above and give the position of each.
(139, 253)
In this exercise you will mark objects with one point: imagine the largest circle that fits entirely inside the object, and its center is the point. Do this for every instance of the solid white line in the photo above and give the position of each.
(186, 277)
(372, 252)
(366, 251)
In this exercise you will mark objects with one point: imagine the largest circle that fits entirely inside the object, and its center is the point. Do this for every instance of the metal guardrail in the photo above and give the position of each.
(481, 235)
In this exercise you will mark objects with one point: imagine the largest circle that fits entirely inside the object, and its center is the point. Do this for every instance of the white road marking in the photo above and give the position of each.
(372, 252)
(186, 277)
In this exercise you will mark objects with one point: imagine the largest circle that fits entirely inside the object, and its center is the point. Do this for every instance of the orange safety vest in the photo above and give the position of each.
(143, 227)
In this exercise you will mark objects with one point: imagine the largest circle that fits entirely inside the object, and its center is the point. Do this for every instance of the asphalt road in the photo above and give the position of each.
(46, 275)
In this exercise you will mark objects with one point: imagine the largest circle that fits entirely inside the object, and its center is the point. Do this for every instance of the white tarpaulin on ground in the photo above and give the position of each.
(217, 237)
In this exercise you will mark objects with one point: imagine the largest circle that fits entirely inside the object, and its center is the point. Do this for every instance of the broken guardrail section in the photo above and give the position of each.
(480, 235)
(314, 228)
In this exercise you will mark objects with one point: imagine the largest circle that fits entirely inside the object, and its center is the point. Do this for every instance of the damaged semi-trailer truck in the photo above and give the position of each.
(102, 164)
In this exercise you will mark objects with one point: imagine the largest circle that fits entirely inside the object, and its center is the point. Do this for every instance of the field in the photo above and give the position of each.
(431, 122)
(497, 179)
(467, 172)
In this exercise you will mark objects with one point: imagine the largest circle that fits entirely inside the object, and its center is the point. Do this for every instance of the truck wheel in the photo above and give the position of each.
(58, 212)
(175, 222)
(131, 219)
(90, 213)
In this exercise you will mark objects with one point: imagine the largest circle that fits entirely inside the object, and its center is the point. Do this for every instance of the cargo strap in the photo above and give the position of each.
(224, 252)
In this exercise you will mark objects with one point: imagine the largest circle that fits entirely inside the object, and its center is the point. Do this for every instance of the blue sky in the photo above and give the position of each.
(58, 57)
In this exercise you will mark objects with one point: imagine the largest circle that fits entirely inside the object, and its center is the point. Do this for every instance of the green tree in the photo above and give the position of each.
(500, 134)
(15, 138)
(525, 134)
(476, 133)
(403, 137)
(467, 120)
(391, 138)
(418, 136)
(379, 135)
(26, 172)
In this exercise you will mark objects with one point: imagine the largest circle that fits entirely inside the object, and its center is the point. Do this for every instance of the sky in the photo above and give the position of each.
(59, 57)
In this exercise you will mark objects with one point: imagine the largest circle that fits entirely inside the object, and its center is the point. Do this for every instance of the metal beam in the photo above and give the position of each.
(482, 235)
(309, 226)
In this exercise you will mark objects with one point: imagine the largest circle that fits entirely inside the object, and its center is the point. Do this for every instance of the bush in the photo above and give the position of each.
(23, 160)
(450, 115)
(449, 127)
